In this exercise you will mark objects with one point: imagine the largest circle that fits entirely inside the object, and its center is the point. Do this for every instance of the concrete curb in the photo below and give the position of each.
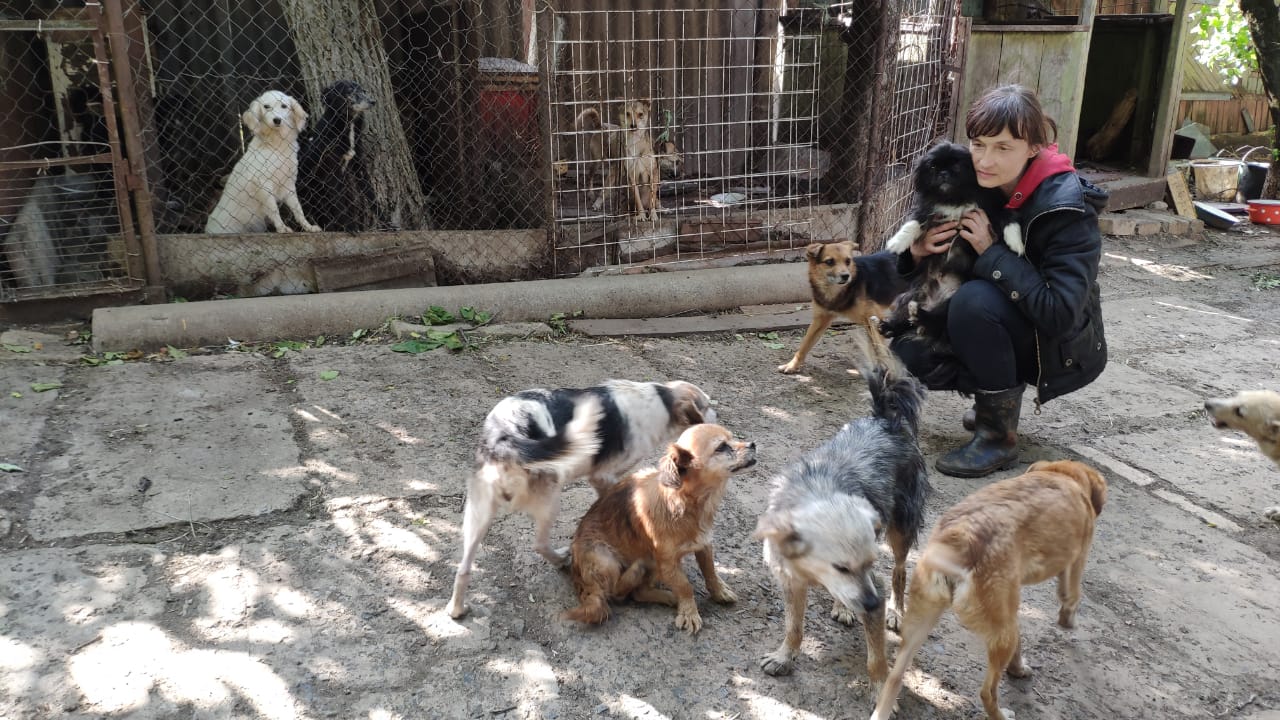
(196, 324)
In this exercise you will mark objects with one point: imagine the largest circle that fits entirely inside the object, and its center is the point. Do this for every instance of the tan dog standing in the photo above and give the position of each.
(1014, 532)
(637, 532)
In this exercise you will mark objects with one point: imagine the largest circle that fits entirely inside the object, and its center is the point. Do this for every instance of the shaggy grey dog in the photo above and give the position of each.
(829, 508)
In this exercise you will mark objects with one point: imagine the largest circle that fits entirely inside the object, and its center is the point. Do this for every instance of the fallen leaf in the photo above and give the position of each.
(15, 394)
(17, 348)
(7, 467)
(175, 353)
(42, 387)
(328, 374)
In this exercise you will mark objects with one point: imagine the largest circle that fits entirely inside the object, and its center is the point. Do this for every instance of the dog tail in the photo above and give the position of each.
(896, 395)
(945, 564)
(592, 609)
(588, 119)
(546, 450)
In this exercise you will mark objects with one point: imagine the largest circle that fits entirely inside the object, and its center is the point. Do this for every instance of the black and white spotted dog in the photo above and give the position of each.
(537, 440)
(333, 173)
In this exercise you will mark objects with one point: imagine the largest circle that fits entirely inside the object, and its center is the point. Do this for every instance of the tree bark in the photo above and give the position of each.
(1264, 29)
(342, 40)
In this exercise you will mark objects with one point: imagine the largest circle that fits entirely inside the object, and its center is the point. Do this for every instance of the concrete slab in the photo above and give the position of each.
(1213, 370)
(209, 434)
(1224, 470)
(23, 413)
(1154, 323)
(1122, 395)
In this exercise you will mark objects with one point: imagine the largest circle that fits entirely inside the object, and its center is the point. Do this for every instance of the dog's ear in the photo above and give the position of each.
(252, 118)
(299, 116)
(813, 251)
(673, 466)
(780, 530)
(686, 411)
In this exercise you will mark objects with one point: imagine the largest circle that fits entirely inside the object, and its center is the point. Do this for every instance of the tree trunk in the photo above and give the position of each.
(342, 40)
(1264, 29)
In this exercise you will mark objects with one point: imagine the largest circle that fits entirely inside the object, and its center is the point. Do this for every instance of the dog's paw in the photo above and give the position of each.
(282, 228)
(1066, 618)
(687, 618)
(790, 368)
(1019, 669)
(1272, 513)
(902, 239)
(1007, 713)
(1013, 238)
(456, 609)
(724, 595)
(842, 614)
(311, 228)
(777, 663)
(893, 620)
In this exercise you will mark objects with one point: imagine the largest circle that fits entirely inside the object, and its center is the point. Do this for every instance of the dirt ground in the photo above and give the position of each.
(230, 535)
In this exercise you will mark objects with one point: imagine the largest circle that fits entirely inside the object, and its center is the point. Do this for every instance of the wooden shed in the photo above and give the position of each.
(1094, 64)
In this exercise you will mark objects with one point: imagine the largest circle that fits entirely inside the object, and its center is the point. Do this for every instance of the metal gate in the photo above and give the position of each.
(66, 227)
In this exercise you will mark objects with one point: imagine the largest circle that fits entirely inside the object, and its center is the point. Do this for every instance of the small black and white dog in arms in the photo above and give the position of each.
(333, 173)
(537, 440)
(945, 188)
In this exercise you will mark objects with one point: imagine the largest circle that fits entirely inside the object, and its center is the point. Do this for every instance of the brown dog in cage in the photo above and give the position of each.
(626, 151)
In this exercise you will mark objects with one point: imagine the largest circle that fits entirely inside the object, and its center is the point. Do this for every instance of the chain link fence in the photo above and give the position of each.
(61, 231)
(408, 143)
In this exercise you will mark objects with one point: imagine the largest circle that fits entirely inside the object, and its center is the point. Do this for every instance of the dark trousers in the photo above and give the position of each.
(993, 345)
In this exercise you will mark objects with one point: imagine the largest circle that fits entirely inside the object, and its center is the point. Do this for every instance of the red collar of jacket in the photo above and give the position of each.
(1047, 163)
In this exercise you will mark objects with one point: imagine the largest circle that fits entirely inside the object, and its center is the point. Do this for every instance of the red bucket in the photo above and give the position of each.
(1264, 212)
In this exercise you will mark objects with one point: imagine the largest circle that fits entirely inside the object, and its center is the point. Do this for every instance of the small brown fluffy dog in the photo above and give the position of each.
(1255, 413)
(845, 284)
(1011, 533)
(637, 532)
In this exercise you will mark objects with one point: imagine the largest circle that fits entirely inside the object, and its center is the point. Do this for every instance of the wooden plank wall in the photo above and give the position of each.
(1050, 62)
(1224, 116)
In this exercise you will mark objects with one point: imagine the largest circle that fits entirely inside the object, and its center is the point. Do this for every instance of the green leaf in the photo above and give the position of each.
(436, 315)
(175, 353)
(45, 387)
(356, 335)
(15, 394)
(328, 374)
(774, 345)
(319, 341)
(768, 336)
(17, 348)
(414, 346)
(8, 467)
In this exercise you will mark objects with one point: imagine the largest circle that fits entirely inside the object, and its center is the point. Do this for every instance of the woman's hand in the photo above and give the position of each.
(937, 240)
(975, 228)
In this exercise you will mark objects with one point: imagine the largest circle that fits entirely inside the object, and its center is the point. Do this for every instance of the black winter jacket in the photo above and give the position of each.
(1056, 283)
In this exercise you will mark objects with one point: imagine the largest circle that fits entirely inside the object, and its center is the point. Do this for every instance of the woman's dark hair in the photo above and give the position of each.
(1014, 107)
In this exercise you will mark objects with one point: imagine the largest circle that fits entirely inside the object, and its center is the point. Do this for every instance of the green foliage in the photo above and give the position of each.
(1222, 40)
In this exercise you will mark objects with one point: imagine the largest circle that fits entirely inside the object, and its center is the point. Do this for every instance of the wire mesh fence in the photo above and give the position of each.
(60, 224)
(293, 146)
(682, 134)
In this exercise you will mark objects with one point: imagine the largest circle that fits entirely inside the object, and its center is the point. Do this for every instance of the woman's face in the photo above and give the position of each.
(1000, 159)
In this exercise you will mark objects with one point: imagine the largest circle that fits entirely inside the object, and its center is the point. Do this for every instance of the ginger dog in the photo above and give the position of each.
(637, 532)
(1015, 532)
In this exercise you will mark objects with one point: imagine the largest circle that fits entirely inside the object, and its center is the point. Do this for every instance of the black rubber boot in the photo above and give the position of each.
(969, 421)
(995, 436)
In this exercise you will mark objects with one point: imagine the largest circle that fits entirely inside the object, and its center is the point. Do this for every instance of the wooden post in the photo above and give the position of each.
(1170, 86)
(119, 45)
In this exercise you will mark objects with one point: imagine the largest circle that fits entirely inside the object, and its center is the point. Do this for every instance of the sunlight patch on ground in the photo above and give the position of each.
(628, 706)
(17, 663)
(767, 708)
(324, 469)
(329, 413)
(776, 413)
(539, 680)
(119, 672)
(1210, 313)
(398, 433)
(1177, 273)
(430, 617)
